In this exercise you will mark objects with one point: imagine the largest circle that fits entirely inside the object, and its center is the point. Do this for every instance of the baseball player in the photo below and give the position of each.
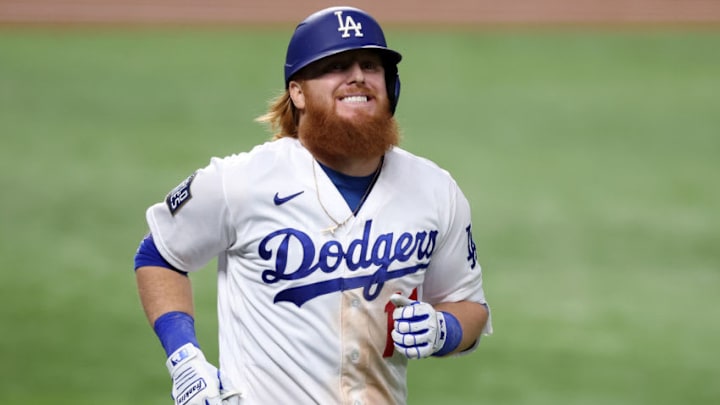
(340, 255)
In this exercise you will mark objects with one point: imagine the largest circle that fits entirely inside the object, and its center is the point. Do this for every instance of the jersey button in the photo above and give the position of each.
(355, 303)
(355, 356)
(357, 402)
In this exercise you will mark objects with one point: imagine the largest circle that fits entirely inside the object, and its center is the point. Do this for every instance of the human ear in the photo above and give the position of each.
(296, 94)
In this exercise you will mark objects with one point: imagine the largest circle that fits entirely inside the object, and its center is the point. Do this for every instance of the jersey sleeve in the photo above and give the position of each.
(192, 225)
(455, 273)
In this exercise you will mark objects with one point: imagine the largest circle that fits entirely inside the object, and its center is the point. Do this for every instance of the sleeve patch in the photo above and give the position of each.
(179, 195)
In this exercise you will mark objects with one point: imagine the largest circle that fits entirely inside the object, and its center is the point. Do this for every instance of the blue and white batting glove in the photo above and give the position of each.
(419, 331)
(195, 381)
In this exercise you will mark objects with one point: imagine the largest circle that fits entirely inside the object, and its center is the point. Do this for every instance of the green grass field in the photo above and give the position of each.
(591, 159)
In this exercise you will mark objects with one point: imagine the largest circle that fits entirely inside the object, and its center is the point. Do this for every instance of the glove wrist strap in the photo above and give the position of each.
(182, 355)
(453, 335)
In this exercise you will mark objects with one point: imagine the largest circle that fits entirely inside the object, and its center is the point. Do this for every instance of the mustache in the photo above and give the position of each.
(354, 90)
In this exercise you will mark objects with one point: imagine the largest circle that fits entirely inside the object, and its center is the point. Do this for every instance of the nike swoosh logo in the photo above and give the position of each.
(282, 200)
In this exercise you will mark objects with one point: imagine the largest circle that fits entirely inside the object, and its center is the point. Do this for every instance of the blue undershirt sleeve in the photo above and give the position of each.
(148, 255)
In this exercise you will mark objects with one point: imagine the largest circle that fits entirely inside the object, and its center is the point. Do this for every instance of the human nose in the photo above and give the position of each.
(356, 74)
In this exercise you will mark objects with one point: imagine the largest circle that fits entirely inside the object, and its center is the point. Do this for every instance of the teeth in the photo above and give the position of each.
(355, 99)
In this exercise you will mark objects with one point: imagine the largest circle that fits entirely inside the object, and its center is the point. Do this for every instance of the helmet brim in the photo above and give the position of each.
(389, 57)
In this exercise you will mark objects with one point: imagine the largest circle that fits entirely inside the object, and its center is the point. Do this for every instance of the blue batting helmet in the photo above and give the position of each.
(339, 29)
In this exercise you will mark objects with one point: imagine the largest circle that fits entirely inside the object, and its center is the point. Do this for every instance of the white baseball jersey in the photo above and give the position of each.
(304, 314)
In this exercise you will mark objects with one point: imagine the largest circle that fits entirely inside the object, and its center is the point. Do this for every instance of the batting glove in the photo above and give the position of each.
(195, 381)
(419, 331)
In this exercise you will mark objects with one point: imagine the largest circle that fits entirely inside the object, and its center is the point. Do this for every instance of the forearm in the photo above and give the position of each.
(167, 294)
(472, 318)
(163, 290)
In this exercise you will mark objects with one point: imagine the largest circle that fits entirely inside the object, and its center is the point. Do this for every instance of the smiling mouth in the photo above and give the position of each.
(355, 99)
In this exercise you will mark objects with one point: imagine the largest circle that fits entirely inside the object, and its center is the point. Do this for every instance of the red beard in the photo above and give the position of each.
(330, 137)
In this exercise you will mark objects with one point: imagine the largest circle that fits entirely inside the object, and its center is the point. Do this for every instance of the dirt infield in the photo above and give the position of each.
(388, 11)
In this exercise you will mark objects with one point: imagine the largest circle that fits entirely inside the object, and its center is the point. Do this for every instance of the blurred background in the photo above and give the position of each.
(585, 134)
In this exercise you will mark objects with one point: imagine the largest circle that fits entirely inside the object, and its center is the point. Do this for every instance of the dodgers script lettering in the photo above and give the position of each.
(391, 256)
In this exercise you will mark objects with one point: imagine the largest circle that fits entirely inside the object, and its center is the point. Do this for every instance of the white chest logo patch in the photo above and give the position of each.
(347, 25)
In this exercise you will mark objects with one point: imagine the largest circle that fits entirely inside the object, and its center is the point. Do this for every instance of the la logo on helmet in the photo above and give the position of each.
(348, 25)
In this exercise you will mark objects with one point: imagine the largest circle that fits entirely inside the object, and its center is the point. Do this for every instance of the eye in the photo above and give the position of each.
(371, 65)
(337, 66)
